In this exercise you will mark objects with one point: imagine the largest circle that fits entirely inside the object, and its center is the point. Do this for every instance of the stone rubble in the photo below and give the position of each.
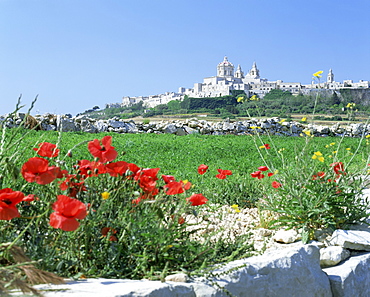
(329, 267)
(271, 126)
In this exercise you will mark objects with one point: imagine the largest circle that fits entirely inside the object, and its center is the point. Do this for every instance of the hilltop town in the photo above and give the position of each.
(229, 79)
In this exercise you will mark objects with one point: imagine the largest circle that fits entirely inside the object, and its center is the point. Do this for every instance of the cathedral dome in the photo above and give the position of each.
(225, 62)
(225, 68)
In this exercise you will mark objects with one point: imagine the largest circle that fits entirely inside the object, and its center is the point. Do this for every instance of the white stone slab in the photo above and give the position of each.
(351, 278)
(351, 239)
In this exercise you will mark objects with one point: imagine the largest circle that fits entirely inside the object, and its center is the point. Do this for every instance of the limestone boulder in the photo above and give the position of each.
(351, 278)
(332, 255)
(170, 129)
(286, 236)
(287, 272)
(66, 124)
(351, 239)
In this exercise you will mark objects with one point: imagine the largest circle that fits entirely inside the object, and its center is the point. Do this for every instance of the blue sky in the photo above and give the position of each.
(75, 54)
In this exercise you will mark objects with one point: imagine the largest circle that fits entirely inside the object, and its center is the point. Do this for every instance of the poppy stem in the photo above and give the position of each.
(25, 229)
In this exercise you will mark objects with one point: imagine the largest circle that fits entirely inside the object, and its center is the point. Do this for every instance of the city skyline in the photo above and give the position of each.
(78, 54)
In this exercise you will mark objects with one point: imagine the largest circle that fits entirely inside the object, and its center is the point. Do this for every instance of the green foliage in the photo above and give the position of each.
(237, 93)
(174, 105)
(146, 240)
(209, 102)
(318, 188)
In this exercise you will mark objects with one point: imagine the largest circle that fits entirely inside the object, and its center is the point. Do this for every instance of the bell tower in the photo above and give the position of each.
(330, 77)
(254, 72)
(239, 72)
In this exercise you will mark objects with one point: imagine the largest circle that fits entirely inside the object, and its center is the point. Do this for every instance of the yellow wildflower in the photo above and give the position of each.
(334, 152)
(304, 119)
(235, 207)
(307, 132)
(348, 148)
(327, 146)
(254, 98)
(318, 155)
(282, 121)
(351, 105)
(280, 150)
(240, 99)
(318, 74)
(105, 195)
(333, 143)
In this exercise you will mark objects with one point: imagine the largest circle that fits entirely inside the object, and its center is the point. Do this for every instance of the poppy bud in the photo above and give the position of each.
(96, 170)
(89, 172)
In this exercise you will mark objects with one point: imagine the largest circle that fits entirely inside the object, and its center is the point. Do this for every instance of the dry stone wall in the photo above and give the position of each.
(271, 126)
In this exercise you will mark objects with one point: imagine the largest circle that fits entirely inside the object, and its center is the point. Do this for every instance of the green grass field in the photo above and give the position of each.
(180, 156)
(150, 238)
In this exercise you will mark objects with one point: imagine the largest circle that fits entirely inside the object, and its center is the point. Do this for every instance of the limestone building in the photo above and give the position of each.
(229, 79)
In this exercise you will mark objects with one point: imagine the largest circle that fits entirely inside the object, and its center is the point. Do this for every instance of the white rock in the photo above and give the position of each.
(351, 239)
(178, 277)
(332, 255)
(286, 236)
(351, 278)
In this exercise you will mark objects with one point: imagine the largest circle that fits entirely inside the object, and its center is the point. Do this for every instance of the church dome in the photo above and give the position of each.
(225, 62)
(225, 68)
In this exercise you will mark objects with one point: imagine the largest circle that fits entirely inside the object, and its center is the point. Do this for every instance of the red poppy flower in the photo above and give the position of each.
(30, 198)
(276, 184)
(73, 184)
(38, 170)
(263, 168)
(267, 146)
(147, 179)
(47, 149)
(175, 187)
(134, 169)
(147, 195)
(148, 172)
(67, 211)
(106, 230)
(202, 169)
(257, 174)
(88, 168)
(197, 199)
(270, 174)
(117, 168)
(181, 220)
(338, 168)
(320, 174)
(147, 184)
(168, 178)
(223, 173)
(8, 200)
(102, 149)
